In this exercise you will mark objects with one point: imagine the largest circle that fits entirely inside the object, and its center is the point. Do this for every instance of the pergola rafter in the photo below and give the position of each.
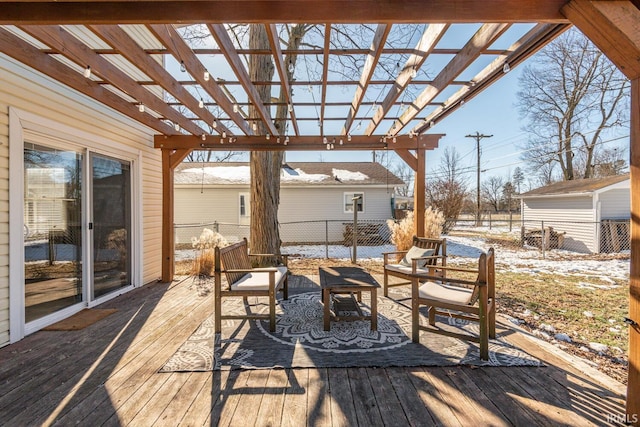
(469, 53)
(382, 32)
(431, 36)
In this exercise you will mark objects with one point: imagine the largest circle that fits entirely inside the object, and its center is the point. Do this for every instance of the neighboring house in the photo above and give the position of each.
(589, 211)
(311, 194)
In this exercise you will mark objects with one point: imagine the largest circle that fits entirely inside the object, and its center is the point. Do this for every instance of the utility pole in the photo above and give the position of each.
(478, 136)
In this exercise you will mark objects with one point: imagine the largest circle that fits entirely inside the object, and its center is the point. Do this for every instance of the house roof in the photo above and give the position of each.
(577, 186)
(292, 174)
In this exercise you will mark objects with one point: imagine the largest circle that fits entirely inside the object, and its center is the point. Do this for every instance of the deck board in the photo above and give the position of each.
(107, 374)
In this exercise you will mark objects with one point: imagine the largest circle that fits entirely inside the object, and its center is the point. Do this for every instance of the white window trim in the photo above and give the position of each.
(244, 219)
(21, 122)
(351, 194)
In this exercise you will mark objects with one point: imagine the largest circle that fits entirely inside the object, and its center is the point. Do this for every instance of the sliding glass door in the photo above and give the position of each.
(111, 224)
(66, 264)
(52, 230)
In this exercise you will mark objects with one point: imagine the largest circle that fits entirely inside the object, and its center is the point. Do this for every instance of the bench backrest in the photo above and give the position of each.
(233, 257)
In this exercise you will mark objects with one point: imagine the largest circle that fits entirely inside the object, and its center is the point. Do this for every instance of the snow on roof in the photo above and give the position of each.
(302, 173)
(345, 175)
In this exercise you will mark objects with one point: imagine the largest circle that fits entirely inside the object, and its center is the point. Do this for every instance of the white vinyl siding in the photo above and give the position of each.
(573, 215)
(302, 213)
(615, 204)
(29, 91)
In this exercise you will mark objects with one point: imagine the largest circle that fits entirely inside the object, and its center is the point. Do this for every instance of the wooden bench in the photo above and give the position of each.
(244, 281)
(405, 270)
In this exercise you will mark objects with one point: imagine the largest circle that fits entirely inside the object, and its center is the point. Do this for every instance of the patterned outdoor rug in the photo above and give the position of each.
(301, 342)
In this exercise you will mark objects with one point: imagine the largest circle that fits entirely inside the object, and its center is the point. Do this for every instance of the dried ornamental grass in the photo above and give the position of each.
(402, 232)
(204, 262)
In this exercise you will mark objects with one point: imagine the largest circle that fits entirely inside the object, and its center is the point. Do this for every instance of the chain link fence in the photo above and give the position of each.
(337, 238)
(606, 236)
(309, 239)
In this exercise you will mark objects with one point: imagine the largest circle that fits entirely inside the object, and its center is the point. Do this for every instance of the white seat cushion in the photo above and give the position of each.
(259, 281)
(446, 293)
(399, 268)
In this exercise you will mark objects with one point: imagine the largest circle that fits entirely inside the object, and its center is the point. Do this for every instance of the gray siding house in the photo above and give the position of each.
(315, 198)
(593, 213)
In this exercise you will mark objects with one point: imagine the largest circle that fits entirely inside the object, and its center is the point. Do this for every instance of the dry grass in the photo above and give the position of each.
(402, 232)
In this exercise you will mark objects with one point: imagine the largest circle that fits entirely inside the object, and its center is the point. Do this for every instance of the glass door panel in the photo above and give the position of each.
(111, 225)
(52, 230)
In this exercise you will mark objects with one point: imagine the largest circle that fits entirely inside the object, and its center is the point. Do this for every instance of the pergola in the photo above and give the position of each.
(112, 51)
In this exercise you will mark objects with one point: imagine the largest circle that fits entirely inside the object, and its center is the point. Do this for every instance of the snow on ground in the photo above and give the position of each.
(558, 262)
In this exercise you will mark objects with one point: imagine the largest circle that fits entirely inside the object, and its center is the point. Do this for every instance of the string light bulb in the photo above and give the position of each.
(141, 107)
(414, 73)
(176, 127)
(267, 136)
(254, 126)
(506, 68)
(290, 107)
(201, 103)
(291, 67)
(87, 71)
(204, 137)
(349, 137)
(235, 108)
(215, 124)
(207, 76)
(183, 67)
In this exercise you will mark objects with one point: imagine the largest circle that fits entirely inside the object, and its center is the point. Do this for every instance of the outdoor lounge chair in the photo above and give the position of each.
(245, 281)
(424, 252)
(465, 298)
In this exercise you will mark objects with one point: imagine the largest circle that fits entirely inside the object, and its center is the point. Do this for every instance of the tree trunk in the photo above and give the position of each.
(265, 170)
(266, 165)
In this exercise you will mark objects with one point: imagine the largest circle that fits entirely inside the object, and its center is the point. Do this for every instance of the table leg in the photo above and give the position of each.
(327, 314)
(374, 309)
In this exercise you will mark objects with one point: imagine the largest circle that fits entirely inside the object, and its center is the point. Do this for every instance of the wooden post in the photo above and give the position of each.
(170, 159)
(633, 383)
(167, 217)
(419, 193)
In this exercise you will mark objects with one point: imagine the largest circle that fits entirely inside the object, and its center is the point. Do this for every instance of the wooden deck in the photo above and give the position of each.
(106, 374)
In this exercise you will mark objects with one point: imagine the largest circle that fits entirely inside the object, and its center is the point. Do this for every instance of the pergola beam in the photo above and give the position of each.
(613, 26)
(297, 143)
(272, 11)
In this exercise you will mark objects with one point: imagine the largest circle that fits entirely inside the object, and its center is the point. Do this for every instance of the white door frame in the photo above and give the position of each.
(57, 134)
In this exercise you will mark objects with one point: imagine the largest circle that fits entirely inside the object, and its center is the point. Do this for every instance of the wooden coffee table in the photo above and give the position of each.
(352, 281)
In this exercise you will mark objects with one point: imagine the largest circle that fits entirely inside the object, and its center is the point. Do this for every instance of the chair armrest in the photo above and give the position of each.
(251, 270)
(394, 252)
(435, 278)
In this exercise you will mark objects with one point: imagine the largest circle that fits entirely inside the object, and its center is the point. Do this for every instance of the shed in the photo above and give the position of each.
(592, 213)
(316, 198)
